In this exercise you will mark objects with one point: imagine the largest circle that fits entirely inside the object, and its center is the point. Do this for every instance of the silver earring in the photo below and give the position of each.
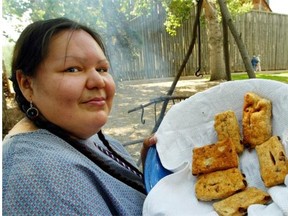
(32, 112)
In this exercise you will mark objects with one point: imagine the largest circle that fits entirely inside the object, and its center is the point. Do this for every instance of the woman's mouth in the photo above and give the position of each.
(98, 101)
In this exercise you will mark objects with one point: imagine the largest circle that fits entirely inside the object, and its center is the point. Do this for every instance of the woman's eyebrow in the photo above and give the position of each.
(84, 59)
(103, 61)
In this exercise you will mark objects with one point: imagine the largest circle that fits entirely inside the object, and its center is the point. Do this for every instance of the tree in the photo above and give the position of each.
(215, 43)
(106, 17)
(226, 16)
(179, 10)
(111, 18)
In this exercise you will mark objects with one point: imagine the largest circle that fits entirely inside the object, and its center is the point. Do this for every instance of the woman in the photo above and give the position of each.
(56, 160)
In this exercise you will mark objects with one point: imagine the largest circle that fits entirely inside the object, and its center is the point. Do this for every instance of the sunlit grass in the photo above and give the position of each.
(282, 77)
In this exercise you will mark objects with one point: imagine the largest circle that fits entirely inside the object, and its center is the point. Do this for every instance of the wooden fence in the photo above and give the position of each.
(264, 34)
(160, 55)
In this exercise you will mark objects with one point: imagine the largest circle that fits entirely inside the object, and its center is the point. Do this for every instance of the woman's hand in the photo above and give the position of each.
(147, 143)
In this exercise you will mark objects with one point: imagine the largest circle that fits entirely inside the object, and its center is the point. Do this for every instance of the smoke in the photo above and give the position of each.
(132, 41)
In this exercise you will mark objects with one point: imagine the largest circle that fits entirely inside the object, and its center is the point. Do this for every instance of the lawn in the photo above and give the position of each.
(281, 76)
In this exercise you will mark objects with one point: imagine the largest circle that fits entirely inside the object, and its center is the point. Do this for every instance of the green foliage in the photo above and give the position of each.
(141, 7)
(94, 13)
(105, 16)
(82, 11)
(17, 8)
(236, 7)
(177, 11)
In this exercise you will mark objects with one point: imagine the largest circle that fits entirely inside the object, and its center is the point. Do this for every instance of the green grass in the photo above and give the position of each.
(282, 77)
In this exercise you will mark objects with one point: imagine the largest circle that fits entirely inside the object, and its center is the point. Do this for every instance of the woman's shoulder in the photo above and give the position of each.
(26, 133)
(23, 126)
(38, 146)
(37, 138)
(40, 154)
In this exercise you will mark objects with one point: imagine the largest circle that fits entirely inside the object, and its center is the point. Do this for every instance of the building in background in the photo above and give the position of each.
(261, 5)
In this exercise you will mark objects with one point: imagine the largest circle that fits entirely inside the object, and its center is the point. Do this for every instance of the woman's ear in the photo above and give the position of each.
(25, 84)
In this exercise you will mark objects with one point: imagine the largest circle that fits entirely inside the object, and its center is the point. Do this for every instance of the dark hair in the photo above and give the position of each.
(32, 47)
(29, 51)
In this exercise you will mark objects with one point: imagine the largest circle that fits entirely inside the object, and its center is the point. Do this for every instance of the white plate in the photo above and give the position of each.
(190, 123)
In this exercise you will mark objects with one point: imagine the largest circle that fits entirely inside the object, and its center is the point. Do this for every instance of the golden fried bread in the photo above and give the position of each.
(226, 126)
(256, 120)
(219, 184)
(273, 161)
(218, 156)
(238, 203)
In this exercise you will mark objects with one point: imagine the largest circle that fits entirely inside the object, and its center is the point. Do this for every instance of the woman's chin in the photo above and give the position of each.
(98, 123)
(91, 126)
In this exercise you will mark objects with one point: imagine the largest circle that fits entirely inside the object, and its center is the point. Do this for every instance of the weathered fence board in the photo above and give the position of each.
(161, 55)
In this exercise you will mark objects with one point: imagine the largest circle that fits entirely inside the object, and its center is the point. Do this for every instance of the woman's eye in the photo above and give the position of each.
(101, 70)
(72, 69)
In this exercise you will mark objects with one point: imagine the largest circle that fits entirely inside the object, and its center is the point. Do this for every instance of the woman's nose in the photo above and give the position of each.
(95, 79)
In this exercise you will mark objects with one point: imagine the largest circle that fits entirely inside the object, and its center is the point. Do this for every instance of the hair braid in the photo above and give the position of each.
(87, 152)
(106, 143)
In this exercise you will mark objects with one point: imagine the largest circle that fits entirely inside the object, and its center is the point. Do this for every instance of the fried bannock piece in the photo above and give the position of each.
(226, 126)
(273, 161)
(219, 184)
(256, 120)
(217, 156)
(238, 203)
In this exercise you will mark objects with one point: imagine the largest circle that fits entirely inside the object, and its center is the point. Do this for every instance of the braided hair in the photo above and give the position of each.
(41, 123)
(29, 51)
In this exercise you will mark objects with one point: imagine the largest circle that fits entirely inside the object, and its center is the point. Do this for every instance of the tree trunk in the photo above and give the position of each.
(188, 54)
(241, 46)
(215, 43)
(226, 49)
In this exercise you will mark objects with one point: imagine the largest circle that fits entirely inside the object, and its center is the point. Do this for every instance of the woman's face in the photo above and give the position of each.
(73, 88)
